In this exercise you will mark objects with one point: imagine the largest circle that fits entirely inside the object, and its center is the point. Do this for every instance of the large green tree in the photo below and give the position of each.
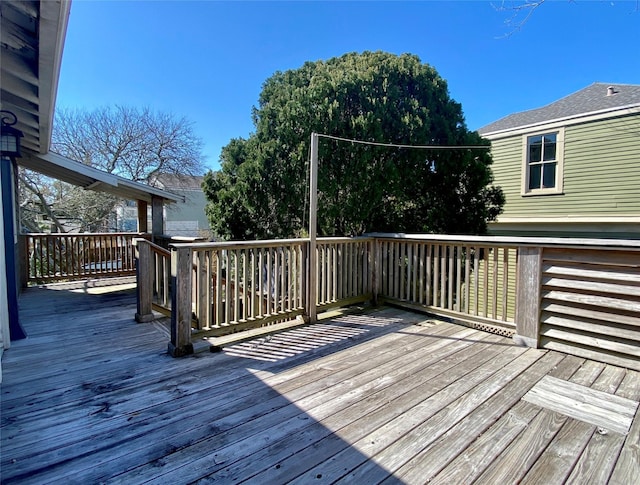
(262, 187)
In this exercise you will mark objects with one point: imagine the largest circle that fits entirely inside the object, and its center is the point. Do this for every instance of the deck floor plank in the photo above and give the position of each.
(243, 404)
(469, 438)
(333, 394)
(523, 452)
(420, 417)
(361, 418)
(235, 384)
(385, 395)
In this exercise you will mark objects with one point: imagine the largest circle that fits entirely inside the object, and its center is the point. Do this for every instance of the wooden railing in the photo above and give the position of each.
(153, 270)
(222, 288)
(60, 257)
(465, 279)
(577, 296)
(343, 276)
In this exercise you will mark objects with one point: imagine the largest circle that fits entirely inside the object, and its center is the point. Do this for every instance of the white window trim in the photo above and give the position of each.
(559, 188)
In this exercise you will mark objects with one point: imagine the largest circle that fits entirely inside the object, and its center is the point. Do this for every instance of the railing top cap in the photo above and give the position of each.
(630, 244)
(516, 241)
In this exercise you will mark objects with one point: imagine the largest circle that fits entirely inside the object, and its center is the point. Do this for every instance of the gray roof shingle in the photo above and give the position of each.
(587, 100)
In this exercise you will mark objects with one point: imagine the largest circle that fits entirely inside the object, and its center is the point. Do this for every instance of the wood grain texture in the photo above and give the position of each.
(382, 395)
(528, 294)
(582, 403)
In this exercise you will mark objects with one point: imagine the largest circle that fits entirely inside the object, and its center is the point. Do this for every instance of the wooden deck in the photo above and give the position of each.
(383, 396)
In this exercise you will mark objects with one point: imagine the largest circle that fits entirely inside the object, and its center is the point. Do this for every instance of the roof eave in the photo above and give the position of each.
(62, 168)
(54, 18)
(564, 121)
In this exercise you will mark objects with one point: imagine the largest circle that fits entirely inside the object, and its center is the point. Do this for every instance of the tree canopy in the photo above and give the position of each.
(135, 143)
(262, 187)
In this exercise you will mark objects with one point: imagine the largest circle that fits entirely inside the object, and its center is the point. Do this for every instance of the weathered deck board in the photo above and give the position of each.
(434, 458)
(388, 395)
(599, 408)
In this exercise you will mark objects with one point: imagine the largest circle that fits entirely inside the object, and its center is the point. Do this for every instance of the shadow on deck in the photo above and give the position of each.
(384, 396)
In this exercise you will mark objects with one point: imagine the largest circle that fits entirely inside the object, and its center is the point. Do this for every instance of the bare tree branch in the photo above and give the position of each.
(520, 13)
(138, 144)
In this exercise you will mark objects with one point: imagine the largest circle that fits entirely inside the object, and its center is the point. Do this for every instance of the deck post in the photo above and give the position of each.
(312, 273)
(529, 273)
(144, 280)
(181, 308)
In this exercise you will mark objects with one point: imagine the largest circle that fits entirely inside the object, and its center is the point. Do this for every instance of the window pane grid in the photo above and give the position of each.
(541, 161)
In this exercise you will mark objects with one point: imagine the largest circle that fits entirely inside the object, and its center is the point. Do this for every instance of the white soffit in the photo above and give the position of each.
(76, 173)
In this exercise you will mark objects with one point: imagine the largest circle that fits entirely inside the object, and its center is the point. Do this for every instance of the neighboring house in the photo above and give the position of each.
(182, 219)
(571, 168)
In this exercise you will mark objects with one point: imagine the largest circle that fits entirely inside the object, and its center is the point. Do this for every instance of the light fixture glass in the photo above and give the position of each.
(9, 136)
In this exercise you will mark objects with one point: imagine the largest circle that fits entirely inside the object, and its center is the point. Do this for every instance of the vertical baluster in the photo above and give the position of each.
(342, 269)
(269, 309)
(355, 267)
(390, 269)
(334, 272)
(289, 276)
(215, 254)
(320, 286)
(494, 294)
(485, 276)
(467, 279)
(295, 276)
(443, 275)
(228, 286)
(261, 276)
(458, 278)
(237, 273)
(429, 263)
(421, 273)
(244, 288)
(207, 290)
(505, 282)
(276, 280)
(300, 284)
(436, 274)
(284, 277)
(164, 262)
(251, 284)
(476, 279)
(450, 256)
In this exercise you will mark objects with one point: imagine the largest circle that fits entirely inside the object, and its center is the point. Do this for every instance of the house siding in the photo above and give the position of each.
(188, 218)
(601, 176)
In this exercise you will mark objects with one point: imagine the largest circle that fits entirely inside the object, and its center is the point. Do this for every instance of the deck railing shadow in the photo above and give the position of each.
(135, 419)
(574, 295)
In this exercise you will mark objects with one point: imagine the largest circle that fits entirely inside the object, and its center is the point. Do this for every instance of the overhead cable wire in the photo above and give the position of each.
(419, 147)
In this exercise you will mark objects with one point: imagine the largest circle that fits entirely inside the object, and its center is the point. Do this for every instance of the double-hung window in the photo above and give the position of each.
(543, 163)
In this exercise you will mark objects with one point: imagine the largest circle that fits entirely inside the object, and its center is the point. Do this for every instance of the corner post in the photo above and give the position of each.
(181, 285)
(529, 276)
(313, 214)
(144, 279)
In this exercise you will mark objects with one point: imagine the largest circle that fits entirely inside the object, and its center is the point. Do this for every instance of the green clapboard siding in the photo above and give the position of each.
(601, 172)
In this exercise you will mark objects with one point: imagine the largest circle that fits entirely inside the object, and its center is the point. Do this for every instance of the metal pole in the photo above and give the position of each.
(313, 209)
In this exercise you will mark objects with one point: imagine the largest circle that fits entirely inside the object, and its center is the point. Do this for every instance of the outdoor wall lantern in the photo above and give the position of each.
(9, 136)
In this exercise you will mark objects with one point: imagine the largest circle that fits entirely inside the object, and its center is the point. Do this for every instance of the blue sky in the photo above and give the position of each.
(207, 60)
